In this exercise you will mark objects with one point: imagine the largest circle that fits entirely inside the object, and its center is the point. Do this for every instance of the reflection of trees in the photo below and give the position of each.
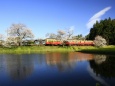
(2, 63)
(105, 68)
(99, 58)
(19, 66)
(65, 61)
(97, 78)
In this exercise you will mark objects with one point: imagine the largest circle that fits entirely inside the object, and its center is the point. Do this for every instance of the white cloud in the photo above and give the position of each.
(97, 17)
(90, 23)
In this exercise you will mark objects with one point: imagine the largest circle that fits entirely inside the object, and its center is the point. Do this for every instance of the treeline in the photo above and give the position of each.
(104, 28)
(102, 32)
(19, 35)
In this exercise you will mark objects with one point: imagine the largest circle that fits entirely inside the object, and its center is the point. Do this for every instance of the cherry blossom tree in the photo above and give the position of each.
(20, 31)
(10, 41)
(61, 35)
(99, 41)
(1, 39)
(51, 35)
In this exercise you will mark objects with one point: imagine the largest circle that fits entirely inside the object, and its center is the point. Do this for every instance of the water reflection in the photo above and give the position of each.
(97, 78)
(18, 66)
(102, 66)
(41, 68)
(66, 61)
(99, 59)
(106, 67)
(2, 63)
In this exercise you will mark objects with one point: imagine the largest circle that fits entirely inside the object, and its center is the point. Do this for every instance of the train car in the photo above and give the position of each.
(70, 42)
(89, 42)
(52, 41)
(85, 43)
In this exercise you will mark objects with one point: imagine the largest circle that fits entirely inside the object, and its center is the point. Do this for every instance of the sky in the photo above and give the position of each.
(49, 16)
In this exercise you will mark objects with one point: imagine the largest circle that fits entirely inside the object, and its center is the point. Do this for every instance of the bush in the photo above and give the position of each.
(99, 41)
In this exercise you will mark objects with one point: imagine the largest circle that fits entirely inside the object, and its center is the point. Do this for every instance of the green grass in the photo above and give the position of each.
(35, 49)
(43, 49)
(103, 50)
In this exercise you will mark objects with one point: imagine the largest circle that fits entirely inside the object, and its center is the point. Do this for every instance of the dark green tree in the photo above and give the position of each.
(104, 28)
(79, 37)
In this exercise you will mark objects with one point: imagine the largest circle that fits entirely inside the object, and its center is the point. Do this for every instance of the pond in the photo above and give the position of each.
(57, 69)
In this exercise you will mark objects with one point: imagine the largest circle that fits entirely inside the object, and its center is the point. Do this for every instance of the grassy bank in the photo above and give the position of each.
(35, 49)
(102, 50)
(42, 49)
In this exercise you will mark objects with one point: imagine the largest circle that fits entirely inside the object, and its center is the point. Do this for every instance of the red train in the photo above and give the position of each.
(49, 41)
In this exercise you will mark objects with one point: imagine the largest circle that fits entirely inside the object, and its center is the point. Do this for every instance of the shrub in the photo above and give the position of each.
(99, 41)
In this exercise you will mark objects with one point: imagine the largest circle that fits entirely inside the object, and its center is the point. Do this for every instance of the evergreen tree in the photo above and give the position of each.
(104, 28)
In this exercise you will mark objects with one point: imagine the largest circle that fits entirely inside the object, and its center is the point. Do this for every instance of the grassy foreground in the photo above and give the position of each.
(103, 50)
(33, 49)
(42, 49)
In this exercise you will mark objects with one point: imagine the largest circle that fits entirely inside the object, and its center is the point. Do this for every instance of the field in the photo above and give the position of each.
(42, 49)
(35, 49)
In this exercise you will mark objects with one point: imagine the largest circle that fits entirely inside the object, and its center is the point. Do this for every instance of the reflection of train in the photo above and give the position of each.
(64, 61)
(49, 41)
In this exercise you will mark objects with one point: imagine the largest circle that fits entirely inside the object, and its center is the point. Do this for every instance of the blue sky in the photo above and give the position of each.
(49, 16)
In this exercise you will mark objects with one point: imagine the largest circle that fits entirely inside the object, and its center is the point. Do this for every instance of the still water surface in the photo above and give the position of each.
(57, 69)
